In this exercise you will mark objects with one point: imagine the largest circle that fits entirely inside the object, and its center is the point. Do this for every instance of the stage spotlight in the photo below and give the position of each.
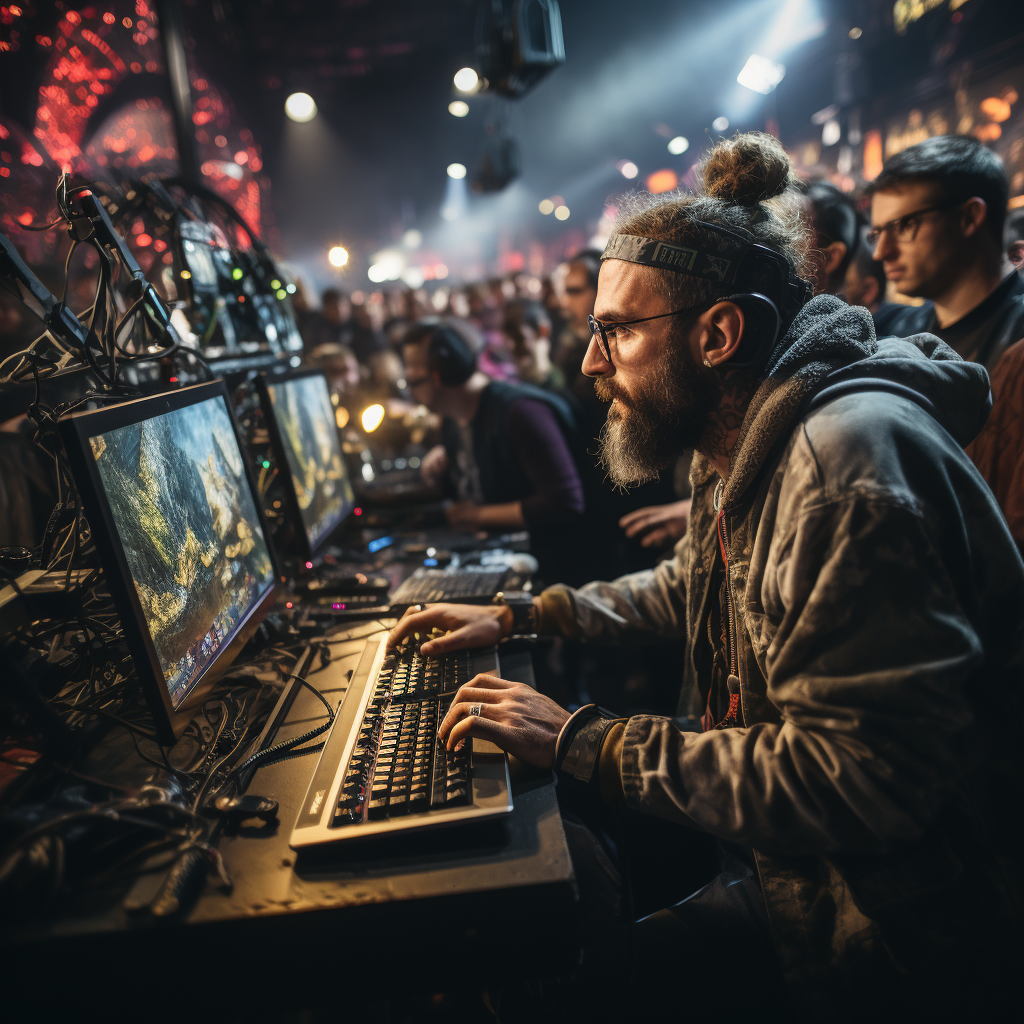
(466, 80)
(627, 168)
(761, 74)
(377, 273)
(680, 144)
(372, 417)
(458, 108)
(456, 171)
(662, 181)
(720, 124)
(562, 212)
(546, 207)
(337, 255)
(300, 106)
(831, 133)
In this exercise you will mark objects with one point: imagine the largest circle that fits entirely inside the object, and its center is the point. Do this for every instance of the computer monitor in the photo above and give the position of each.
(174, 514)
(304, 435)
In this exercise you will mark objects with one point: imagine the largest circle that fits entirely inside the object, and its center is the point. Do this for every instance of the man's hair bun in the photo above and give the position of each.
(747, 169)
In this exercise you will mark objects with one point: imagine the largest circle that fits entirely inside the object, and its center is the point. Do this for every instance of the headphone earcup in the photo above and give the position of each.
(453, 359)
(762, 330)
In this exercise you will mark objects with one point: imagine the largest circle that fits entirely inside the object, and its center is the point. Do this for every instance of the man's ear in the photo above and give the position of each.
(975, 213)
(872, 292)
(835, 253)
(723, 327)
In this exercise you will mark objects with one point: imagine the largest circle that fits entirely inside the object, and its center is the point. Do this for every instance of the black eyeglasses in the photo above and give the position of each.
(905, 228)
(604, 330)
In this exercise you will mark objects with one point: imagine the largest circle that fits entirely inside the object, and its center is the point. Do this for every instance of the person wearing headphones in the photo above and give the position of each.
(509, 452)
(850, 600)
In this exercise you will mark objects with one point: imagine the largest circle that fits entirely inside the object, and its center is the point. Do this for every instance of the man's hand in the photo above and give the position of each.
(512, 715)
(471, 626)
(434, 465)
(658, 524)
(463, 513)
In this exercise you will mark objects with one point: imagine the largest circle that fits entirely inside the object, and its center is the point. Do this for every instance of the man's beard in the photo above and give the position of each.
(666, 417)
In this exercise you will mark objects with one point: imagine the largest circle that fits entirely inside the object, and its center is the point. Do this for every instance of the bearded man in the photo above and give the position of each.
(851, 602)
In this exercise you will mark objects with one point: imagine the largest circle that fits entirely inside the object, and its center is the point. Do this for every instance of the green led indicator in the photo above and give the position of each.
(237, 273)
(282, 294)
(266, 464)
(275, 284)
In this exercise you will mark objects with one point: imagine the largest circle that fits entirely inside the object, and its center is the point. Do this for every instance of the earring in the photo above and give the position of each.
(707, 362)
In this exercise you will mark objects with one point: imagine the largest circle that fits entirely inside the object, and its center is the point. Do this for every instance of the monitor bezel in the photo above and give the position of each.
(302, 548)
(76, 429)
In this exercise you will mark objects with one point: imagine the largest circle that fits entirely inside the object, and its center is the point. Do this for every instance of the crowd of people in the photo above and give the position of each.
(927, 247)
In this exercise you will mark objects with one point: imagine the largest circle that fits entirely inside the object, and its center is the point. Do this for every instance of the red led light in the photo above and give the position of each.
(143, 239)
(357, 511)
(309, 565)
(173, 380)
(288, 604)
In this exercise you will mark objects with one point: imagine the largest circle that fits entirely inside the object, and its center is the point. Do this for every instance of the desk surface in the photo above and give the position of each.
(486, 898)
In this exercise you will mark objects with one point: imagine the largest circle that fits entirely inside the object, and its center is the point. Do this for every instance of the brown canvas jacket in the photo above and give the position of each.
(880, 622)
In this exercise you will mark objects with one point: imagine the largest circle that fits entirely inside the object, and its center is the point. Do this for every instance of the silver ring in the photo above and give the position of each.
(475, 709)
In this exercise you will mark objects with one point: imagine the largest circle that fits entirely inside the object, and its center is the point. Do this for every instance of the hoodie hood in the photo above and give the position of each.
(831, 349)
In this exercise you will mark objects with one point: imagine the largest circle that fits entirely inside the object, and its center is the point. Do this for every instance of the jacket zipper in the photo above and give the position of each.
(733, 715)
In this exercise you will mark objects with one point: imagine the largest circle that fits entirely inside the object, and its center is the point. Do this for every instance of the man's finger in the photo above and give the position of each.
(415, 619)
(655, 538)
(459, 711)
(638, 514)
(484, 728)
(464, 636)
(465, 699)
(485, 680)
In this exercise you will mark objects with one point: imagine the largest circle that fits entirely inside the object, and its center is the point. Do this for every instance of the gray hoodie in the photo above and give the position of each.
(877, 610)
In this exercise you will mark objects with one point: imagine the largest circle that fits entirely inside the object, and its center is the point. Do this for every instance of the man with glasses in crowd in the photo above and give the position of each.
(850, 600)
(938, 212)
(937, 215)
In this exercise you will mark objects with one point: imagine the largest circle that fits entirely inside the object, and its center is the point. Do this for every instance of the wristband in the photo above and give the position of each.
(521, 604)
(578, 746)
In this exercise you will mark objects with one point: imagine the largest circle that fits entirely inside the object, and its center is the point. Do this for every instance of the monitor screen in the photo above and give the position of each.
(304, 419)
(183, 510)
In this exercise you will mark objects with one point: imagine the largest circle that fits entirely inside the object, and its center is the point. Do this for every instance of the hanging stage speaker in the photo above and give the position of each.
(499, 164)
(518, 42)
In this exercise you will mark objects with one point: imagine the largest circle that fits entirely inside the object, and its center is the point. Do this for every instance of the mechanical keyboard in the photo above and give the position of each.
(383, 768)
(472, 584)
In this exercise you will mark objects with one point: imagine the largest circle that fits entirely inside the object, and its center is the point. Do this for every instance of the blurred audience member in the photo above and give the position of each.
(306, 319)
(998, 451)
(553, 306)
(836, 225)
(528, 328)
(865, 286)
(1014, 239)
(340, 365)
(364, 339)
(579, 291)
(509, 453)
(937, 213)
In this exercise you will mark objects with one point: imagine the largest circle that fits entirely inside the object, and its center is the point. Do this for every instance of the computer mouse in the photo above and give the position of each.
(522, 563)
